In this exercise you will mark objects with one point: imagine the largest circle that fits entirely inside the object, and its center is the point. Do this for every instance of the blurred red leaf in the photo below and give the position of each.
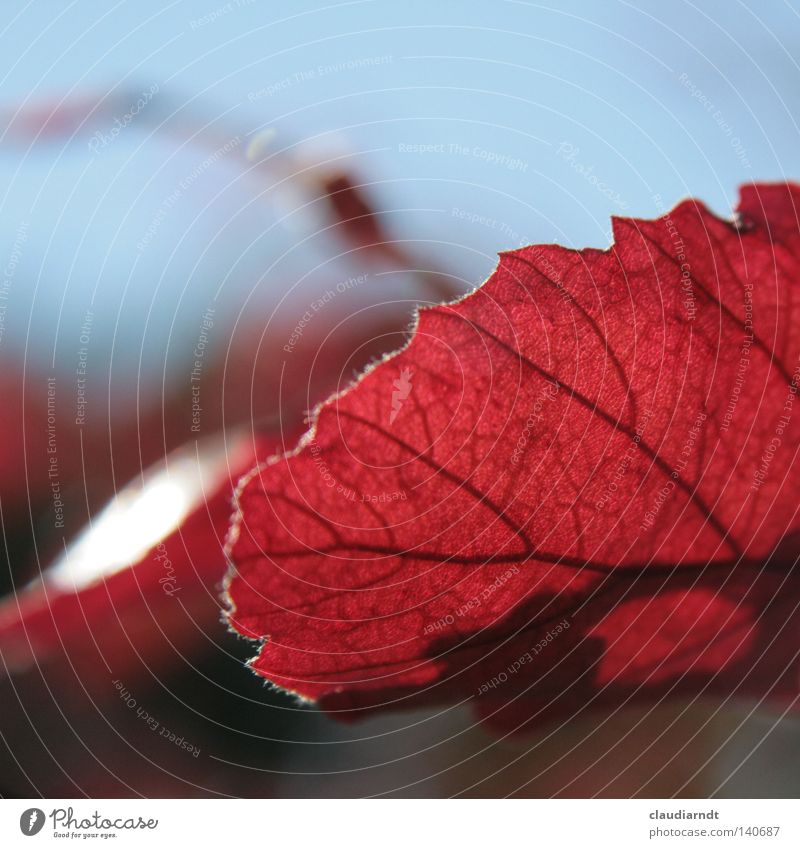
(138, 591)
(575, 486)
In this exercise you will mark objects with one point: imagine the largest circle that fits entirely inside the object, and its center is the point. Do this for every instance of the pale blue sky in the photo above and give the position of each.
(587, 110)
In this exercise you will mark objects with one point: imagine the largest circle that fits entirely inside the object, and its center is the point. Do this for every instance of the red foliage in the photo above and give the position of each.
(128, 597)
(576, 486)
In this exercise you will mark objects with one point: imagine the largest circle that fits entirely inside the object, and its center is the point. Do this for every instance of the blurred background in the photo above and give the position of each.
(213, 214)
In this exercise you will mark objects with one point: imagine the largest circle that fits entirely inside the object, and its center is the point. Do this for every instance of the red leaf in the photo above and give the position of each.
(139, 589)
(575, 486)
